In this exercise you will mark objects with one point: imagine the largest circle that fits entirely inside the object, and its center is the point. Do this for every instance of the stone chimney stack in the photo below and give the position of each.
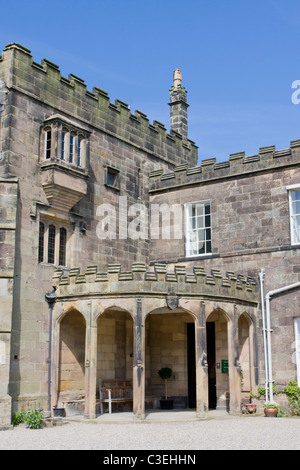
(179, 106)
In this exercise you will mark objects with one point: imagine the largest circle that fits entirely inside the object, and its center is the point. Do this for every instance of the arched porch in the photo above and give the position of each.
(133, 327)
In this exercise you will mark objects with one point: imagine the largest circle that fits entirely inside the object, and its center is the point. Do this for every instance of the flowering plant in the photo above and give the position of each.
(33, 416)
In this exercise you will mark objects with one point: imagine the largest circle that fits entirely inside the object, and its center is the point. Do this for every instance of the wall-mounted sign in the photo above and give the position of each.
(224, 366)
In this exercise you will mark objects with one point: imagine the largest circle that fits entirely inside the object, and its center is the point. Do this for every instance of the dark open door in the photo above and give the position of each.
(191, 356)
(211, 360)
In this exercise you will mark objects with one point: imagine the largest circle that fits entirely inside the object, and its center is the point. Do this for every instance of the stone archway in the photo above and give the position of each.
(115, 350)
(71, 362)
(167, 345)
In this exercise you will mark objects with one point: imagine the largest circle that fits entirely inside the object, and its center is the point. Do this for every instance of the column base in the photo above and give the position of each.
(5, 411)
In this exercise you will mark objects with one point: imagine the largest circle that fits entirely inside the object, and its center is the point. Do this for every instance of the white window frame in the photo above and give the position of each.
(187, 217)
(292, 189)
(63, 144)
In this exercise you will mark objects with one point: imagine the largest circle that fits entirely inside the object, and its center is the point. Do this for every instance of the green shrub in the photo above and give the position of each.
(18, 417)
(165, 373)
(293, 395)
(262, 392)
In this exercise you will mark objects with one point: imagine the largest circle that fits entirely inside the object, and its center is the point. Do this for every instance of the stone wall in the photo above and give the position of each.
(36, 95)
(250, 231)
(115, 346)
(8, 238)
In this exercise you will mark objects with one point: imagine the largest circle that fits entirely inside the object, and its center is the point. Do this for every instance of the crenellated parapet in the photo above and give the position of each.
(70, 96)
(238, 165)
(160, 281)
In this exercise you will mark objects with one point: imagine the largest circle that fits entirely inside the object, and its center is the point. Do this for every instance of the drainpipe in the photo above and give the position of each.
(261, 275)
(268, 321)
(50, 298)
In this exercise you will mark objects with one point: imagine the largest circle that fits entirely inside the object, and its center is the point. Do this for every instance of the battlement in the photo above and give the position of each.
(45, 83)
(160, 281)
(238, 165)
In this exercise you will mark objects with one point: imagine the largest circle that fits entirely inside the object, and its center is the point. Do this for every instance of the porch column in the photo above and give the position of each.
(139, 364)
(201, 365)
(55, 363)
(234, 365)
(90, 372)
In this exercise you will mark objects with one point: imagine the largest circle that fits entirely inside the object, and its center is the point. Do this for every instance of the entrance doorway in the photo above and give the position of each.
(211, 360)
(170, 342)
(191, 359)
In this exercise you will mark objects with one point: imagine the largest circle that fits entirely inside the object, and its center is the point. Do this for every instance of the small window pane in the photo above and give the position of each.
(201, 248)
(62, 246)
(201, 234)
(112, 178)
(200, 209)
(63, 138)
(296, 207)
(41, 243)
(79, 152)
(71, 154)
(207, 221)
(296, 229)
(207, 208)
(296, 195)
(200, 222)
(48, 144)
(51, 244)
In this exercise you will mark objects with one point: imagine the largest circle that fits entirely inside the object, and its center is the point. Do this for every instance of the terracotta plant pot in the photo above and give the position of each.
(271, 412)
(248, 408)
(251, 408)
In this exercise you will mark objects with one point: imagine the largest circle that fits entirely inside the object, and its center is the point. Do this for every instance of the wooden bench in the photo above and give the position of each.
(114, 391)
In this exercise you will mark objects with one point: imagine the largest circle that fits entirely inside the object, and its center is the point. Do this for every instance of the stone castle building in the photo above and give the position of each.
(156, 260)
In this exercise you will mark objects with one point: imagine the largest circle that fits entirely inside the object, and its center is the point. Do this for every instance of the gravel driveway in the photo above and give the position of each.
(244, 433)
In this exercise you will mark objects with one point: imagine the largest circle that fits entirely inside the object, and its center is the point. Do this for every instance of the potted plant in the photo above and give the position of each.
(271, 410)
(166, 403)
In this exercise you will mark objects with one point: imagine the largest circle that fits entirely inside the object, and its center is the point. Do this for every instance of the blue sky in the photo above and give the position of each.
(238, 59)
